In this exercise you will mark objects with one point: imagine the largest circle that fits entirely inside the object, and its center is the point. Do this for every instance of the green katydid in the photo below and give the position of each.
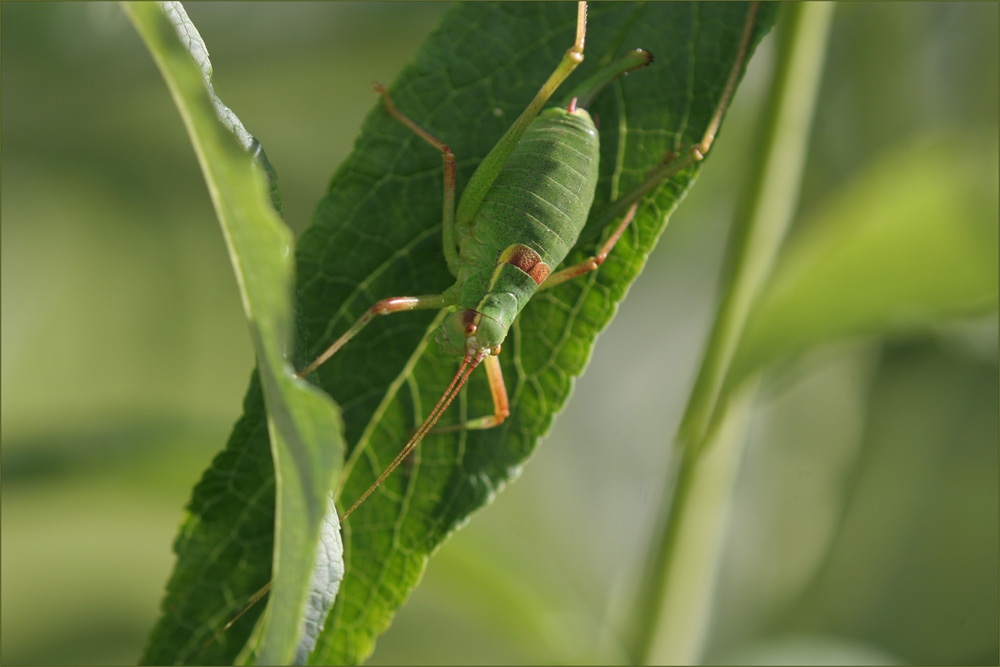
(519, 216)
(463, 230)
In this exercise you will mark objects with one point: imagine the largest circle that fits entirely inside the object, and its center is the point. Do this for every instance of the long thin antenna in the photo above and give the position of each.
(464, 371)
(253, 600)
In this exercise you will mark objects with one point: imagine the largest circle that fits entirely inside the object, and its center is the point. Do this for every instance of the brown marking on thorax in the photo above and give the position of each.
(528, 261)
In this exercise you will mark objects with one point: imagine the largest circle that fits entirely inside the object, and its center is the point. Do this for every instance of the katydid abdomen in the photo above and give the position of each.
(542, 196)
(527, 223)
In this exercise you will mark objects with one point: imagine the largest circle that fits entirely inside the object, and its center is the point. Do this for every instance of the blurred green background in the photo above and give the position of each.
(865, 523)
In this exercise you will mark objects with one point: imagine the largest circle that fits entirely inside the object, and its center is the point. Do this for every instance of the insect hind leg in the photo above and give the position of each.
(583, 94)
(486, 173)
(675, 162)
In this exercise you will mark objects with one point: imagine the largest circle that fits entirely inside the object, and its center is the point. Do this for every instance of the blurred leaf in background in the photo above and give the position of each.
(125, 353)
(866, 520)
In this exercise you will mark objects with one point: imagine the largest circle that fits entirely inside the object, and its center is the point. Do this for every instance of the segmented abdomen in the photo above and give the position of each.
(542, 196)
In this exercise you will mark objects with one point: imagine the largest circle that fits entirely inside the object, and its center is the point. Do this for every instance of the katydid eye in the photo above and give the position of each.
(470, 329)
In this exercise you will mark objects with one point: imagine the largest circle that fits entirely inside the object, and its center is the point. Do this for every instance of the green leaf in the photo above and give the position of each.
(911, 242)
(377, 234)
(303, 424)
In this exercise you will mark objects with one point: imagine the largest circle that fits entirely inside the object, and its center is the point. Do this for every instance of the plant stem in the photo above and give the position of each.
(672, 609)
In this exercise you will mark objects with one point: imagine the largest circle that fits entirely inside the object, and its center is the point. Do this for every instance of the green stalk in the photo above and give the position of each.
(672, 608)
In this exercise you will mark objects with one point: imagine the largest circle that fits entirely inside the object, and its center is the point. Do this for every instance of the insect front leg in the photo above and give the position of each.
(396, 304)
(501, 403)
(449, 246)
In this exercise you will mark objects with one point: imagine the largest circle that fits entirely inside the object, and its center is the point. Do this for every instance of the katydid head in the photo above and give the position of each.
(470, 333)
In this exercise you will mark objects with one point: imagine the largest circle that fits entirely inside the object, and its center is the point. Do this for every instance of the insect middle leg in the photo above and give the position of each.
(591, 263)
(449, 243)
(399, 304)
